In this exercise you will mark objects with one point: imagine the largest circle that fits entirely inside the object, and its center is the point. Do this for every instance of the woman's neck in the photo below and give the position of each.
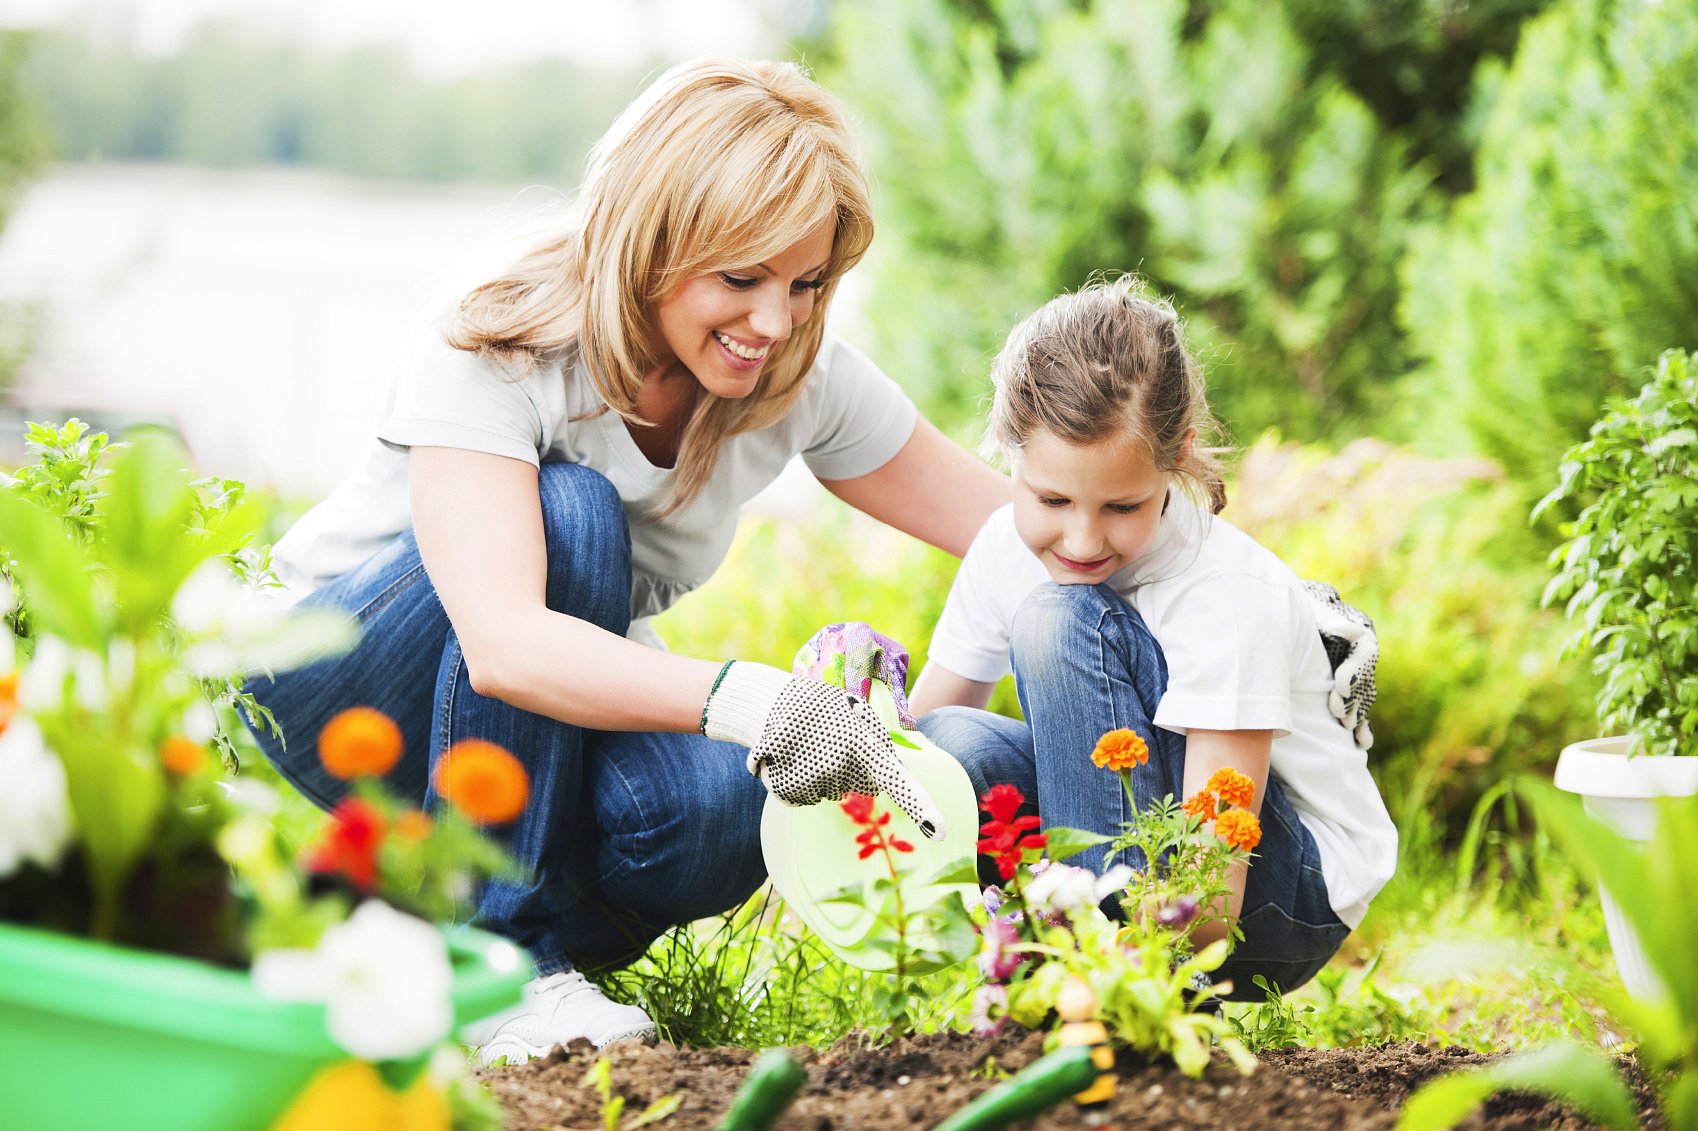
(665, 400)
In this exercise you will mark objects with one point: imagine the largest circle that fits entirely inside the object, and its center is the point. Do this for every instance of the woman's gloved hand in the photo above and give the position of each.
(1354, 651)
(811, 742)
(851, 655)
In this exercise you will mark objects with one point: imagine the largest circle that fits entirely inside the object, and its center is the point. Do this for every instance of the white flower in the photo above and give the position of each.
(1063, 887)
(35, 814)
(383, 977)
(42, 683)
(234, 630)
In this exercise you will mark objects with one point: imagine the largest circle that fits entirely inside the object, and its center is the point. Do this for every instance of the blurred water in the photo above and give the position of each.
(260, 313)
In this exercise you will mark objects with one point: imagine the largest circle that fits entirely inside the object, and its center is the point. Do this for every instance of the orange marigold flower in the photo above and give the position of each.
(1239, 828)
(413, 825)
(1232, 787)
(1121, 750)
(8, 698)
(483, 781)
(1201, 805)
(182, 756)
(360, 742)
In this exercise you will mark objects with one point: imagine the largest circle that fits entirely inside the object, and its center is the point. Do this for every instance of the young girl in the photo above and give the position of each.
(1119, 600)
(569, 460)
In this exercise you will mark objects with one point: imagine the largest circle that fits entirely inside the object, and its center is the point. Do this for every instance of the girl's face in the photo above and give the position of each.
(721, 327)
(1086, 510)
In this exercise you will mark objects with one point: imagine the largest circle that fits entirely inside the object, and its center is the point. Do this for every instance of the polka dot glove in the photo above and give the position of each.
(811, 742)
(1354, 651)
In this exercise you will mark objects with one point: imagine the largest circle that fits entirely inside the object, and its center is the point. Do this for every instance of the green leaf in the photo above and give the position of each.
(56, 573)
(1065, 842)
(961, 870)
(1565, 1070)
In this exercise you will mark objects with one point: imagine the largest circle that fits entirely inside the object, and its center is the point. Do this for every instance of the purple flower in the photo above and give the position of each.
(998, 960)
(993, 897)
(1178, 914)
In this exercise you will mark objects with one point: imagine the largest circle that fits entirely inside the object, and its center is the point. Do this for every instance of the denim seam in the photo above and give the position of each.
(384, 599)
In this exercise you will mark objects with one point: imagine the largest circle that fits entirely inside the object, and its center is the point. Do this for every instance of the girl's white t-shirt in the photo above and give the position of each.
(849, 420)
(1243, 653)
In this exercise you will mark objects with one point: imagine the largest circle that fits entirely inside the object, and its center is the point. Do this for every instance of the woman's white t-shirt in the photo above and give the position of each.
(849, 420)
(1243, 653)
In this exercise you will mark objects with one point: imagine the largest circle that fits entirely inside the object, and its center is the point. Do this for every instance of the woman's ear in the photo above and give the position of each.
(1187, 446)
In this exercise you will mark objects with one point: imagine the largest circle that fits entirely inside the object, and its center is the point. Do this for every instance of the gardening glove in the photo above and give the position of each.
(811, 742)
(1354, 651)
(851, 655)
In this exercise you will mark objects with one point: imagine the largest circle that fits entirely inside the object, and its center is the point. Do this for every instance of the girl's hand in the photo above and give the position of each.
(811, 742)
(1354, 652)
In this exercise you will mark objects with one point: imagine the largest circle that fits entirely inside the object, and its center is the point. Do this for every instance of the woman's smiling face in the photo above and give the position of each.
(721, 327)
(1086, 510)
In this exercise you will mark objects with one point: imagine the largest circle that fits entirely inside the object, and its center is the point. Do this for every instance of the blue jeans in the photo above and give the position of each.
(1085, 664)
(626, 834)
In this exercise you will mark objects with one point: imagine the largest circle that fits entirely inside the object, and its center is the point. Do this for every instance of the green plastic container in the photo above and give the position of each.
(95, 1036)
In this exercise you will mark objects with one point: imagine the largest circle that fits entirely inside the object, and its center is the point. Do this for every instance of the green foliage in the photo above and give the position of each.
(1573, 1073)
(227, 99)
(1651, 883)
(1341, 1008)
(23, 139)
(1628, 569)
(1022, 147)
(1577, 257)
(1439, 554)
(600, 1078)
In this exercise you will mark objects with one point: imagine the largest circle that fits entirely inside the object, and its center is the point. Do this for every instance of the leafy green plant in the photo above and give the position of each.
(600, 1077)
(1652, 883)
(932, 936)
(1630, 567)
(1049, 928)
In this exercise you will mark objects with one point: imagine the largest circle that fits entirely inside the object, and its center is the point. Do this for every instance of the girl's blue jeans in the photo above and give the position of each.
(625, 834)
(1085, 664)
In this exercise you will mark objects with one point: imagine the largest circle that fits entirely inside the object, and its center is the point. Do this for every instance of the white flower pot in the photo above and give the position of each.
(1622, 791)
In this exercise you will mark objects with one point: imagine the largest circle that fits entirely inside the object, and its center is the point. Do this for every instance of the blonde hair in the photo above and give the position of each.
(719, 164)
(1107, 362)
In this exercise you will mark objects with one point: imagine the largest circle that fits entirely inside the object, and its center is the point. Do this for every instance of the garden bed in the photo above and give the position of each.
(914, 1082)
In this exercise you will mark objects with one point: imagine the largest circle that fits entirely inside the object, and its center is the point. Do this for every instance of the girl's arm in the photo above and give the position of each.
(932, 489)
(1248, 752)
(940, 687)
(478, 519)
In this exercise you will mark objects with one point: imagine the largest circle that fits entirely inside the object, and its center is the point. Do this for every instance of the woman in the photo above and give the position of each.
(568, 463)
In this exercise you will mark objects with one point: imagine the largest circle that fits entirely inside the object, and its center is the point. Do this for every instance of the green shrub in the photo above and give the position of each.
(1577, 257)
(1018, 148)
(1628, 567)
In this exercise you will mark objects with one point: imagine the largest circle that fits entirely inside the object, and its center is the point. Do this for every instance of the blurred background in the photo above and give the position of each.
(1418, 244)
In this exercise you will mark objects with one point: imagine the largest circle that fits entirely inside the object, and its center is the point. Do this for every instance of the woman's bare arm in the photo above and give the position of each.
(932, 489)
(478, 519)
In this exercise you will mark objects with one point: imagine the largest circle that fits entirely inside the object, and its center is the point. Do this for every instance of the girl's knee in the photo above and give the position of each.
(589, 545)
(992, 749)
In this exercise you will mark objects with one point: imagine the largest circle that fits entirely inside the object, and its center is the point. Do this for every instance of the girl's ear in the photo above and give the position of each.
(1187, 446)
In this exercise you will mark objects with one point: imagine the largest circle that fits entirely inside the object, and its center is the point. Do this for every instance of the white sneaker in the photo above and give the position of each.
(555, 1009)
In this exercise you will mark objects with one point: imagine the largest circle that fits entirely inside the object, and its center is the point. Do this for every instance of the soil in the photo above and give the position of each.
(915, 1082)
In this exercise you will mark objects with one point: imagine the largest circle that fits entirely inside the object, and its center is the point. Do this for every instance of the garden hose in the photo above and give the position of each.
(1035, 1088)
(770, 1086)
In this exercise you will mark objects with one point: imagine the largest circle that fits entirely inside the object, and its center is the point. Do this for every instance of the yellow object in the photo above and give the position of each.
(351, 1096)
(1077, 1006)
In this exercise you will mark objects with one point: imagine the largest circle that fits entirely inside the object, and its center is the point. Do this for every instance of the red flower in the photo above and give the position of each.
(1005, 836)
(873, 838)
(350, 843)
